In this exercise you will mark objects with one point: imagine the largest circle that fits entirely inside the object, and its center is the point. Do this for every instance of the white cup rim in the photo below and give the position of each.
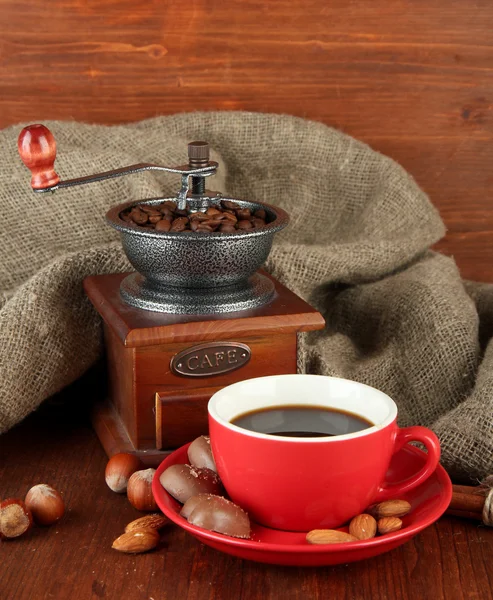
(387, 406)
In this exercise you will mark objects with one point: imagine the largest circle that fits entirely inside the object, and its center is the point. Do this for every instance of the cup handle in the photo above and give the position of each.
(404, 436)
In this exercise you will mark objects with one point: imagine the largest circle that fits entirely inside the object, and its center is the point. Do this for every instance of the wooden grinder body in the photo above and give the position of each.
(152, 408)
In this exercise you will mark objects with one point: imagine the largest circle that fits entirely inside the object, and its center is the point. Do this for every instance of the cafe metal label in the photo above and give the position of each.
(214, 358)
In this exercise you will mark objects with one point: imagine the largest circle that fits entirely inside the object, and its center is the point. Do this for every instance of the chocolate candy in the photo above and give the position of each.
(200, 453)
(215, 513)
(185, 481)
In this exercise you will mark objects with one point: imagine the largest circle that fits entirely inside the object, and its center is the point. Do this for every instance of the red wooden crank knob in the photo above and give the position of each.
(37, 149)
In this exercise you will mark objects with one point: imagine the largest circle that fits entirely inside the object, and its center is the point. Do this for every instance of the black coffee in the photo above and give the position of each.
(301, 421)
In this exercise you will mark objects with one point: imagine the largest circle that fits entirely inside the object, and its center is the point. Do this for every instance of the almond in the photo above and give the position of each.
(154, 521)
(137, 541)
(390, 508)
(363, 527)
(329, 536)
(388, 525)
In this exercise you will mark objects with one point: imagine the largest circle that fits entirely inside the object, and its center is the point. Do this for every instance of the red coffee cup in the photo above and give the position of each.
(299, 483)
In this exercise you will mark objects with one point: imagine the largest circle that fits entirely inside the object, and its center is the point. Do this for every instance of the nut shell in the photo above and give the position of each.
(139, 490)
(45, 503)
(329, 536)
(200, 453)
(119, 469)
(15, 518)
(185, 481)
(137, 541)
(389, 525)
(363, 527)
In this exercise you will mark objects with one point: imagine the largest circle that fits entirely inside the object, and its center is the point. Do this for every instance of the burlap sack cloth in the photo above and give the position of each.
(398, 315)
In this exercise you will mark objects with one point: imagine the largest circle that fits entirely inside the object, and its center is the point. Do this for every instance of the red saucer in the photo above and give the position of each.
(429, 501)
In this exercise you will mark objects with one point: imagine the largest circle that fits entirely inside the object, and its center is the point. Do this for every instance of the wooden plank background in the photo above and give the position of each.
(413, 78)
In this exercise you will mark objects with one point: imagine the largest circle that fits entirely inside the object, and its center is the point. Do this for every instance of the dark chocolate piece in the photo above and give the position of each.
(215, 513)
(184, 481)
(200, 453)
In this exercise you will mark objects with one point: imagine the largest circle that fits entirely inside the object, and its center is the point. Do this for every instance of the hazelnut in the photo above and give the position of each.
(45, 503)
(15, 518)
(139, 490)
(119, 469)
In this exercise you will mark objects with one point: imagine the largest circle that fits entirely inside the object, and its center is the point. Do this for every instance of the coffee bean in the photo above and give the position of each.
(163, 225)
(227, 218)
(244, 224)
(169, 204)
(243, 214)
(166, 211)
(179, 224)
(227, 228)
(230, 217)
(212, 223)
(212, 212)
(148, 209)
(230, 205)
(198, 216)
(138, 216)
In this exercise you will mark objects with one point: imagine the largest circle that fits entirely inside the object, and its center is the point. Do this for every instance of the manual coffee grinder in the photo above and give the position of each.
(197, 315)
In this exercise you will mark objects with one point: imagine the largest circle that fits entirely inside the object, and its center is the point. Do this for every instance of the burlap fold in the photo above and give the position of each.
(398, 315)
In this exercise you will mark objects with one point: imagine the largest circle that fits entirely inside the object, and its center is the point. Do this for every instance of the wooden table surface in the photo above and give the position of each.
(73, 560)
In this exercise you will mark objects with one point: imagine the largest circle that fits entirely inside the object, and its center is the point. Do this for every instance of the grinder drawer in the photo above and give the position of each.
(181, 416)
